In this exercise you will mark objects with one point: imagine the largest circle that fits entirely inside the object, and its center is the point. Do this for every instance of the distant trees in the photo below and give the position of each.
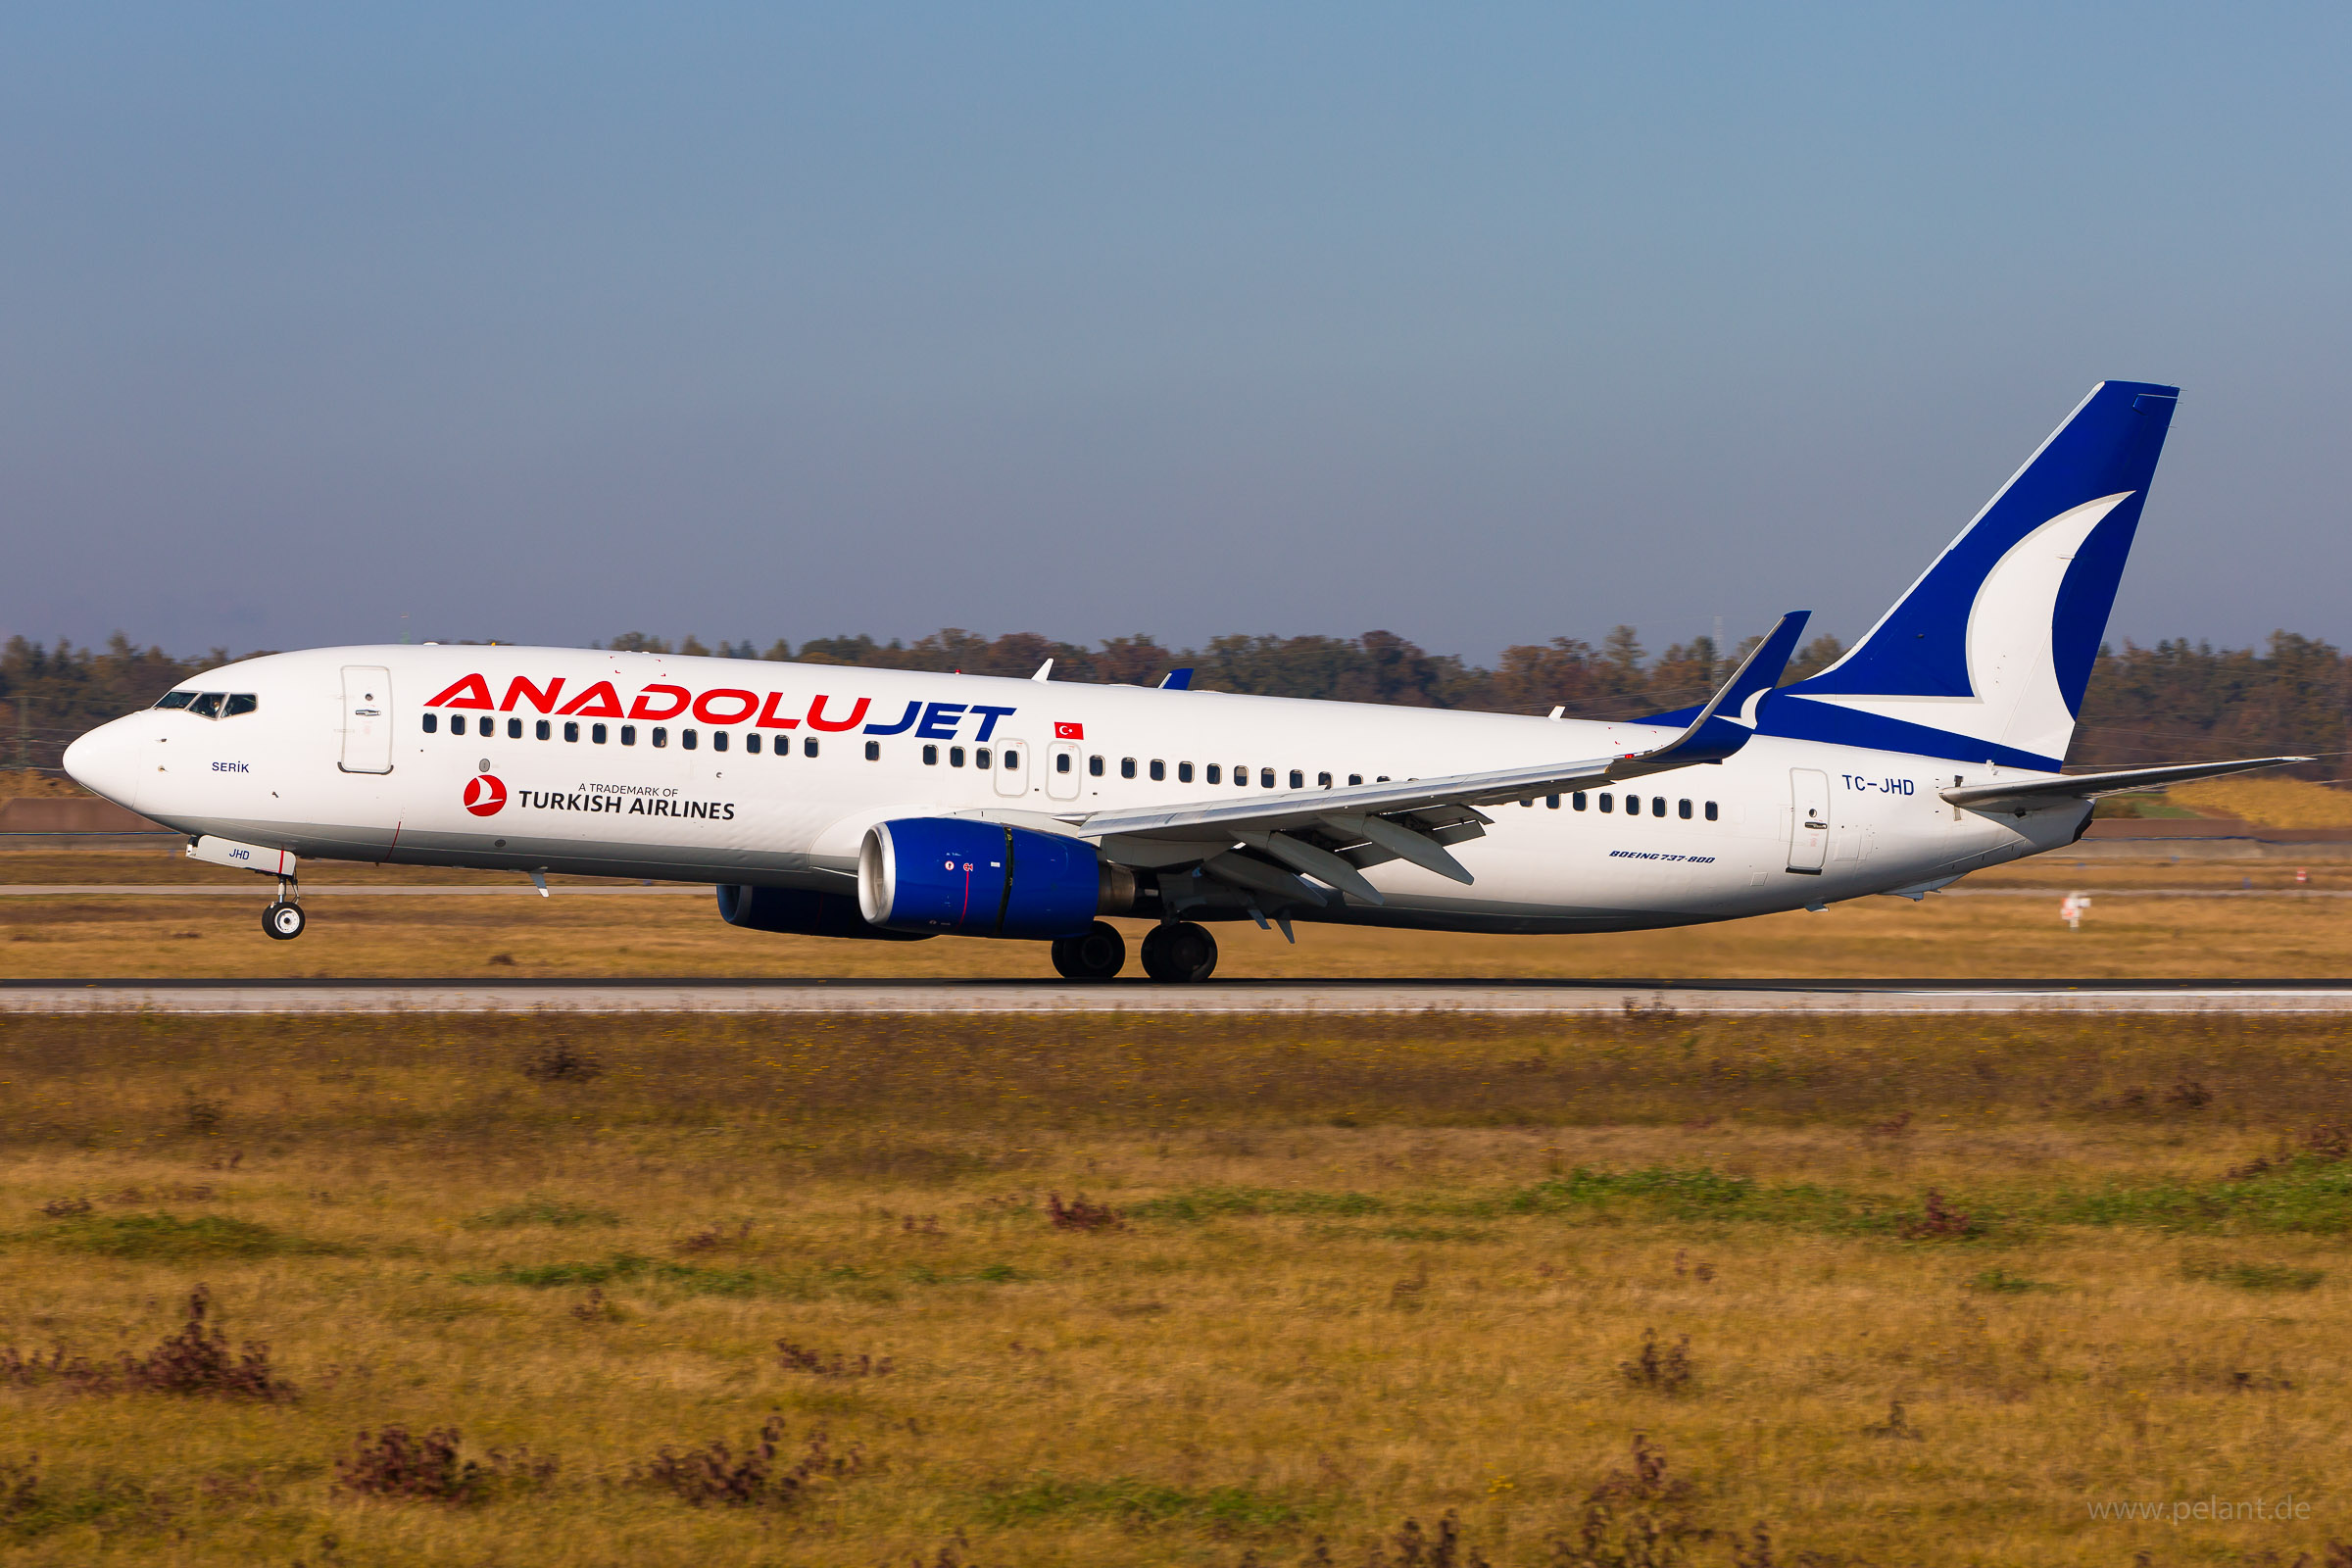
(2175, 702)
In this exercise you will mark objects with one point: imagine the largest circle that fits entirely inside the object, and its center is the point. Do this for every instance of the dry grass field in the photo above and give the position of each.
(2132, 932)
(1219, 1292)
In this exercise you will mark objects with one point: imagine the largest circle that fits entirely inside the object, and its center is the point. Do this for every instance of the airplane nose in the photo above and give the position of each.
(106, 761)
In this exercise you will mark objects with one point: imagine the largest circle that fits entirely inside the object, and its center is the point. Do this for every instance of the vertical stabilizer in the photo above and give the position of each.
(1985, 659)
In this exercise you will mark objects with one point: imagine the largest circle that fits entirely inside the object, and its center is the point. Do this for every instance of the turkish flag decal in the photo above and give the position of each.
(1069, 732)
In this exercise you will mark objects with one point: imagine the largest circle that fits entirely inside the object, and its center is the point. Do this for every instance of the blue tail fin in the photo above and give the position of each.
(1985, 659)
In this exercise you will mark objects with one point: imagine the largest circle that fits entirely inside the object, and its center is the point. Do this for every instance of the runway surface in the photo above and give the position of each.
(1566, 997)
(312, 890)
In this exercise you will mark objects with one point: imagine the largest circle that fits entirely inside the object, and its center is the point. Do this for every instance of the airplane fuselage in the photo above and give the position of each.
(767, 774)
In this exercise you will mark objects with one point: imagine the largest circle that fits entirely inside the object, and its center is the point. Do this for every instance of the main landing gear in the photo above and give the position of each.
(1180, 953)
(1176, 954)
(1097, 953)
(284, 919)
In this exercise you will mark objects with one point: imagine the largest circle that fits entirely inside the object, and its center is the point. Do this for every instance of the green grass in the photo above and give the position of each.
(547, 1211)
(620, 1268)
(168, 1239)
(2001, 1282)
(2246, 1275)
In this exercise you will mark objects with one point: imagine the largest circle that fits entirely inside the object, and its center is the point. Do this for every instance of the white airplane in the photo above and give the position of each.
(892, 805)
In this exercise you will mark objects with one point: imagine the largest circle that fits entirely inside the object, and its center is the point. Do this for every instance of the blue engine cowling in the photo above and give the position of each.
(984, 879)
(801, 914)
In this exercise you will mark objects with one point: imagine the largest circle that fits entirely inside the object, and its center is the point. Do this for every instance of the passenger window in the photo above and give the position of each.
(207, 704)
(689, 738)
(1633, 806)
(432, 722)
(1577, 800)
(547, 731)
(457, 723)
(1265, 778)
(1710, 811)
(980, 756)
(808, 746)
(515, 729)
(628, 734)
(1184, 774)
(1682, 808)
(1323, 781)
(751, 742)
(1160, 771)
(1657, 805)
(954, 757)
(1216, 775)
(1126, 767)
(1062, 761)
(1354, 779)
(184, 699)
(1608, 802)
(1298, 779)
(571, 731)
(1529, 804)
(596, 734)
(1093, 765)
(240, 703)
(930, 756)
(874, 751)
(719, 740)
(1012, 757)
(1241, 775)
(660, 735)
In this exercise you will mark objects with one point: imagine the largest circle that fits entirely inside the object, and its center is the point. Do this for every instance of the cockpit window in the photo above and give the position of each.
(240, 703)
(208, 704)
(177, 699)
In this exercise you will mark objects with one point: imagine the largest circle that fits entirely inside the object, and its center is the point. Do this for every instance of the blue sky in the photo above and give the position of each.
(1480, 324)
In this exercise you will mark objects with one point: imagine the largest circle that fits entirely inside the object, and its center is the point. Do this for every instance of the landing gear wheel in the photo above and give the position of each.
(1097, 953)
(1180, 953)
(284, 921)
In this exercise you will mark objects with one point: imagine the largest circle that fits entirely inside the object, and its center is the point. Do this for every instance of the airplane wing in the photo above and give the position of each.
(2018, 797)
(1333, 834)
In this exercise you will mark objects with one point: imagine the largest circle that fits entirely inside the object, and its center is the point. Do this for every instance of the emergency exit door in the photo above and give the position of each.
(1808, 821)
(367, 718)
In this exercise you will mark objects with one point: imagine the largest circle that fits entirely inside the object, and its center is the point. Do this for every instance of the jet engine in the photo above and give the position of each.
(932, 874)
(800, 914)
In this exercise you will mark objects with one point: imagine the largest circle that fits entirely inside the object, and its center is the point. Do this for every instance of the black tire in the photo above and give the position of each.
(284, 922)
(1097, 953)
(1180, 953)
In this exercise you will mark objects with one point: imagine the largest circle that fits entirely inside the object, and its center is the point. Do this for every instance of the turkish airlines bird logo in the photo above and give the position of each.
(1069, 732)
(485, 795)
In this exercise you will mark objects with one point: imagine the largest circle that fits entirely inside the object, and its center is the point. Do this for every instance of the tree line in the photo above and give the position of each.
(2178, 700)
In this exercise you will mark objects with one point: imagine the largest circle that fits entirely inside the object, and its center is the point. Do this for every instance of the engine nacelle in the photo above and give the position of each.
(800, 913)
(984, 879)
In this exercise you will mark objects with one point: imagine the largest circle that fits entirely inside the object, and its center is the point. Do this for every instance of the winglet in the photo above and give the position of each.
(1176, 680)
(1710, 737)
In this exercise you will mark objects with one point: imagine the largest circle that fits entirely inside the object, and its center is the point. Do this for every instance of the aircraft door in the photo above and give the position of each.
(367, 718)
(1808, 821)
(1012, 768)
(1062, 771)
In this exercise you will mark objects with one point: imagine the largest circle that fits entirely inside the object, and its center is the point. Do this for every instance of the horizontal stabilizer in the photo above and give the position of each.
(2018, 796)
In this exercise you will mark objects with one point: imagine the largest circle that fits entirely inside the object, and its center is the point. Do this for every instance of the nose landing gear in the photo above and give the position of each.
(284, 918)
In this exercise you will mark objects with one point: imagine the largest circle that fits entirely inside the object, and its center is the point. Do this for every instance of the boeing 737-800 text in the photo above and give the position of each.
(900, 804)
